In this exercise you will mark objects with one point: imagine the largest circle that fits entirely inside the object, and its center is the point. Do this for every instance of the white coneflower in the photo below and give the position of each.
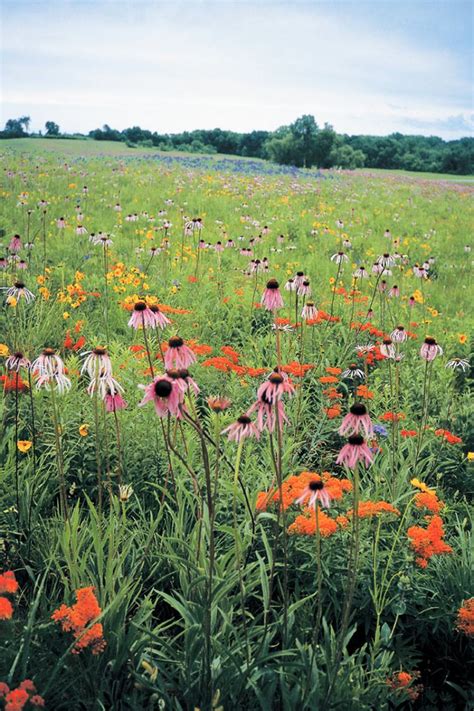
(16, 361)
(304, 289)
(363, 350)
(387, 348)
(125, 492)
(50, 369)
(456, 364)
(376, 268)
(353, 372)
(361, 273)
(97, 363)
(386, 260)
(105, 385)
(19, 291)
(347, 244)
(339, 258)
(309, 311)
(290, 285)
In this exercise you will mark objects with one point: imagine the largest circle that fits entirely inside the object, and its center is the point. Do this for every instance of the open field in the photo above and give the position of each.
(237, 442)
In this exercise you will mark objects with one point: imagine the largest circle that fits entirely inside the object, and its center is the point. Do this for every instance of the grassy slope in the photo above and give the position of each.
(88, 147)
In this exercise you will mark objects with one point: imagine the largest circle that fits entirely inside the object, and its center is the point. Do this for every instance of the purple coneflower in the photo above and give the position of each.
(304, 289)
(142, 315)
(430, 349)
(356, 450)
(357, 420)
(50, 368)
(160, 320)
(16, 361)
(277, 385)
(399, 335)
(315, 491)
(394, 292)
(240, 429)
(309, 311)
(97, 363)
(271, 297)
(166, 396)
(114, 402)
(387, 348)
(178, 355)
(15, 243)
(19, 291)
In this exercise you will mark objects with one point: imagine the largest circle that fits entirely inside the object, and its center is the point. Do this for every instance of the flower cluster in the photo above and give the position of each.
(77, 619)
(8, 586)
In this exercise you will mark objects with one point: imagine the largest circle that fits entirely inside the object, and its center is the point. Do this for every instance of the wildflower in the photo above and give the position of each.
(240, 429)
(77, 619)
(271, 297)
(178, 355)
(309, 311)
(24, 445)
(125, 492)
(458, 364)
(357, 420)
(114, 401)
(290, 285)
(84, 430)
(368, 509)
(353, 372)
(186, 381)
(339, 258)
(305, 524)
(356, 450)
(166, 395)
(361, 273)
(421, 485)
(394, 292)
(16, 361)
(386, 260)
(427, 542)
(403, 681)
(304, 289)
(399, 335)
(8, 583)
(408, 433)
(430, 349)
(274, 388)
(465, 618)
(50, 368)
(387, 348)
(161, 321)
(97, 364)
(315, 491)
(142, 316)
(6, 609)
(19, 291)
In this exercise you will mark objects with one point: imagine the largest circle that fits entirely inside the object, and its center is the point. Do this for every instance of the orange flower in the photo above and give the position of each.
(408, 433)
(305, 524)
(367, 509)
(76, 618)
(448, 436)
(465, 618)
(363, 391)
(230, 353)
(427, 542)
(392, 417)
(333, 371)
(430, 501)
(328, 379)
(8, 582)
(298, 370)
(332, 412)
(6, 609)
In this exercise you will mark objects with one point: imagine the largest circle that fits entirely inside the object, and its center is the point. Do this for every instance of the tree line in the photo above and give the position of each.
(302, 144)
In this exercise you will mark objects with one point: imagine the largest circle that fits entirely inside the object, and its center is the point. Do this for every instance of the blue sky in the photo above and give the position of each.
(365, 67)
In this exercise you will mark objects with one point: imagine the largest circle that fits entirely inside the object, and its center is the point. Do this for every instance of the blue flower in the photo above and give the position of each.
(380, 430)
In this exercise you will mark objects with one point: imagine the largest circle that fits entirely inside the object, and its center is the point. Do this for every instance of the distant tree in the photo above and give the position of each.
(344, 156)
(16, 128)
(52, 129)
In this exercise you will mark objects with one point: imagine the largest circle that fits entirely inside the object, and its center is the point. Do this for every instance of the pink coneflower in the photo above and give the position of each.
(290, 285)
(363, 350)
(361, 273)
(240, 429)
(387, 234)
(81, 230)
(61, 223)
(218, 247)
(356, 450)
(304, 289)
(142, 315)
(218, 404)
(339, 258)
(16, 361)
(309, 311)
(3, 262)
(411, 302)
(394, 292)
(22, 264)
(19, 291)
(50, 368)
(15, 243)
(230, 243)
(399, 335)
(97, 363)
(166, 396)
(376, 268)
(315, 491)
(299, 279)
(357, 420)
(387, 348)
(160, 320)
(189, 383)
(117, 207)
(178, 355)
(382, 286)
(430, 349)
(271, 297)
(114, 402)
(268, 414)
(277, 385)
(347, 244)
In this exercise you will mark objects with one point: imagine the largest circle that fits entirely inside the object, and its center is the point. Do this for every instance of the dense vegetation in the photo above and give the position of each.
(216, 538)
(302, 144)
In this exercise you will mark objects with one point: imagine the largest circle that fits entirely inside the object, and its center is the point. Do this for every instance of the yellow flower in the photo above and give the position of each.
(421, 485)
(462, 338)
(65, 315)
(24, 445)
(4, 349)
(11, 301)
(84, 430)
(40, 280)
(470, 456)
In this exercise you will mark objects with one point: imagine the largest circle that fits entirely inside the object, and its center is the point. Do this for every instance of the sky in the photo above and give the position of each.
(365, 67)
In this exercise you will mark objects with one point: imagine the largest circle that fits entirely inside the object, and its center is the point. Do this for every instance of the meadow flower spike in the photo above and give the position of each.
(271, 297)
(357, 421)
(356, 450)
(430, 349)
